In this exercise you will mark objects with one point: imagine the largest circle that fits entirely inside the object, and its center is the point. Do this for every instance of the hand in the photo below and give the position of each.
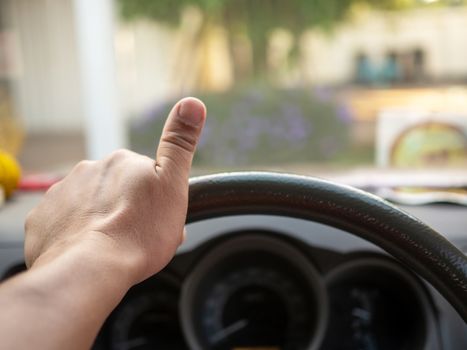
(126, 210)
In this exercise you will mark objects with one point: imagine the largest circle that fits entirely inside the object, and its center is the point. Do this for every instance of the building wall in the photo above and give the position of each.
(440, 33)
(47, 85)
(144, 60)
(47, 91)
(46, 88)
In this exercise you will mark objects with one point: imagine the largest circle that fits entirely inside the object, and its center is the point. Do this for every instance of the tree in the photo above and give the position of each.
(257, 18)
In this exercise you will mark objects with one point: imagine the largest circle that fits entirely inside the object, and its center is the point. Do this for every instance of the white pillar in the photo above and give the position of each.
(104, 129)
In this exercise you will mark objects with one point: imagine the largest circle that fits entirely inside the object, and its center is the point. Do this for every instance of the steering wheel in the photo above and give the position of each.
(403, 236)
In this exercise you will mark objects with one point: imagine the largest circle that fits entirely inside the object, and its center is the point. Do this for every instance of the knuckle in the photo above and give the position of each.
(28, 223)
(84, 164)
(120, 154)
(52, 189)
(30, 251)
(27, 257)
(81, 166)
(181, 139)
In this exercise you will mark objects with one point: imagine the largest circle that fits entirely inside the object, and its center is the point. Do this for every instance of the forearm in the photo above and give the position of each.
(60, 305)
(106, 226)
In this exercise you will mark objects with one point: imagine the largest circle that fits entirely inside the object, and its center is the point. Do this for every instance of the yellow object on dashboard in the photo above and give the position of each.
(10, 173)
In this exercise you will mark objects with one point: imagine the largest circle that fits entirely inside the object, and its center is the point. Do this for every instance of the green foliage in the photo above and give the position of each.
(260, 127)
(263, 14)
(260, 14)
(166, 11)
(258, 17)
(255, 18)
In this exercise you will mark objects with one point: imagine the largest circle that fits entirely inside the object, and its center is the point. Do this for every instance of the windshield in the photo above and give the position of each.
(314, 87)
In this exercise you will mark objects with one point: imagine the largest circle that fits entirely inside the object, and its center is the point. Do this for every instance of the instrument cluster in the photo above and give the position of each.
(259, 291)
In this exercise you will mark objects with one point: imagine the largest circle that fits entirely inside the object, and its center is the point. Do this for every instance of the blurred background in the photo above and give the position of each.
(311, 86)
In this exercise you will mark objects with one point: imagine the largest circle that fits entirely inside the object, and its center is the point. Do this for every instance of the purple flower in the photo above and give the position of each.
(248, 135)
(240, 110)
(324, 94)
(328, 146)
(255, 95)
(296, 128)
(344, 113)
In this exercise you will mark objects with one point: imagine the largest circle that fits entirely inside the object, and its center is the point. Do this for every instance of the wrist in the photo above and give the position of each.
(94, 260)
(72, 289)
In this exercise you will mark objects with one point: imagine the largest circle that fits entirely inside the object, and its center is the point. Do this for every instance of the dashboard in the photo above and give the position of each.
(257, 282)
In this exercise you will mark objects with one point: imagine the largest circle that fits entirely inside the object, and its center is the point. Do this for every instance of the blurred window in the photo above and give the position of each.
(289, 85)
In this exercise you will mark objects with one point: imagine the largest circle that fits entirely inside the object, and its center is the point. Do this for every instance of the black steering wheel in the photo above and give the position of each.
(403, 236)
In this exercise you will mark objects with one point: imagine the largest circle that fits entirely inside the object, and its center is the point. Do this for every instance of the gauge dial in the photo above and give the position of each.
(256, 307)
(148, 318)
(253, 298)
(374, 305)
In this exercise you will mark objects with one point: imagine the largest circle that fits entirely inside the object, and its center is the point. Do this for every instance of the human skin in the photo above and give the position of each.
(106, 226)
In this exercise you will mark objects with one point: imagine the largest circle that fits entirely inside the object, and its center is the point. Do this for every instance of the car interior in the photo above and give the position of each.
(328, 198)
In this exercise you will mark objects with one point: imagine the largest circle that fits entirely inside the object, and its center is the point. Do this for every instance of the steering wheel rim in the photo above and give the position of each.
(403, 236)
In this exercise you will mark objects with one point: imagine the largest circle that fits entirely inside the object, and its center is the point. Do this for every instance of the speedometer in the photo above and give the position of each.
(375, 305)
(148, 317)
(253, 292)
(256, 307)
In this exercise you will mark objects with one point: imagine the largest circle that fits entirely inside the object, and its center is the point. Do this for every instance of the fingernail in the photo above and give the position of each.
(191, 112)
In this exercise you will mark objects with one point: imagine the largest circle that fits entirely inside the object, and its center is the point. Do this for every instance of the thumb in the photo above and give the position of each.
(180, 137)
